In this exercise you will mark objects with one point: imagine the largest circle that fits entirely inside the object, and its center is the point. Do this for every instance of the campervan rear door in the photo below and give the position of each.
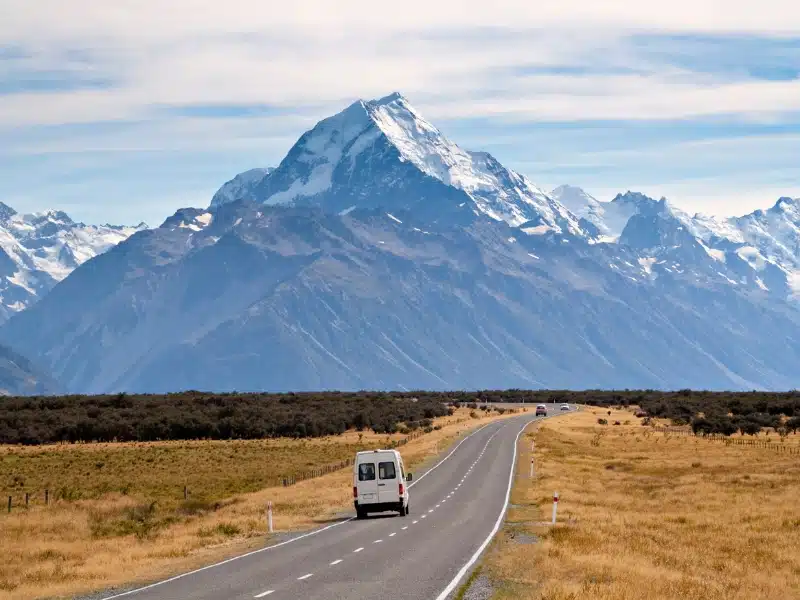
(367, 479)
(388, 478)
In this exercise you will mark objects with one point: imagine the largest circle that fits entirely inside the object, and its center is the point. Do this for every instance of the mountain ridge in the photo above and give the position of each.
(369, 271)
(39, 249)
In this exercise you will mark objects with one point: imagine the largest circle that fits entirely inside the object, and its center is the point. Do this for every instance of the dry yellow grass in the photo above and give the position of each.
(75, 547)
(648, 517)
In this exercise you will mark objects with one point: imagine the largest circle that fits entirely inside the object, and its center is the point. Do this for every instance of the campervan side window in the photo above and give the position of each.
(386, 470)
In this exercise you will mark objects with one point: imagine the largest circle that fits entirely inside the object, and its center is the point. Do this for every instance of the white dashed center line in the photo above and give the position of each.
(357, 550)
(336, 562)
(377, 541)
(415, 522)
(406, 527)
(262, 594)
(306, 576)
(392, 534)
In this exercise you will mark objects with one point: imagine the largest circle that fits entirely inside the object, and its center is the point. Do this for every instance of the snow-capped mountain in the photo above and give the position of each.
(384, 153)
(760, 250)
(378, 254)
(241, 187)
(254, 297)
(40, 249)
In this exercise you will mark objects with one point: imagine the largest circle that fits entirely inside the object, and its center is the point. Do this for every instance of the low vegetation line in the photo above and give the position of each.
(197, 415)
(647, 514)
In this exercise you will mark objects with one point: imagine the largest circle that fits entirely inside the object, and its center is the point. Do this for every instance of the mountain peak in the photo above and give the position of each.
(385, 153)
(787, 204)
(390, 99)
(6, 212)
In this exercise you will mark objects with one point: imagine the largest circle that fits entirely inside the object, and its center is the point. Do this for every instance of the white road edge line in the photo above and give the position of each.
(299, 537)
(460, 575)
(262, 594)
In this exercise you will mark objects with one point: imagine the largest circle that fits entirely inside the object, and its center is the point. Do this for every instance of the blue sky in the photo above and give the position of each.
(125, 113)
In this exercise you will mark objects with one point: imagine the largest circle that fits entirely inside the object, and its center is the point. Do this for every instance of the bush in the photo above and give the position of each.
(194, 415)
(602, 421)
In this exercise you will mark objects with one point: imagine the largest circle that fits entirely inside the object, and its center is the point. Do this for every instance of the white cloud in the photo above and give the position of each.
(451, 59)
(155, 20)
(454, 60)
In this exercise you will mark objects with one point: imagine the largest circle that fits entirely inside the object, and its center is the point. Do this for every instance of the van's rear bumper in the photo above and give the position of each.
(378, 506)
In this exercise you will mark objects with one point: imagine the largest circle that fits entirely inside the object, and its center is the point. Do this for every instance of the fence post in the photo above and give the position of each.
(47, 497)
(555, 506)
(27, 497)
(9, 504)
(269, 515)
(185, 493)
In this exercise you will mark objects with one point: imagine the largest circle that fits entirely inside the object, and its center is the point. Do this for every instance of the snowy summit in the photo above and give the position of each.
(384, 152)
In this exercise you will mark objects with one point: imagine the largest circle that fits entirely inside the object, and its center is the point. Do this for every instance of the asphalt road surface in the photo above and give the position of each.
(456, 507)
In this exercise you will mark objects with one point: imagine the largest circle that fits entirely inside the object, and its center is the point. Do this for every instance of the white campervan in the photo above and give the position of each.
(379, 482)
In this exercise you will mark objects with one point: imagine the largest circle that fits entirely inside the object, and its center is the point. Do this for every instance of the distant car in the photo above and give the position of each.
(541, 409)
(565, 407)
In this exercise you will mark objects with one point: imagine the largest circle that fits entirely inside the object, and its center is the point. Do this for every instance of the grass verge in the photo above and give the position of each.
(647, 516)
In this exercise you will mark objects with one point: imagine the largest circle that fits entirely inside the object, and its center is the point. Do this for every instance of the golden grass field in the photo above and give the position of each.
(648, 516)
(109, 538)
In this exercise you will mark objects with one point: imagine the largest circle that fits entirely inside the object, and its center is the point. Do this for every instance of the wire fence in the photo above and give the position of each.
(47, 497)
(767, 444)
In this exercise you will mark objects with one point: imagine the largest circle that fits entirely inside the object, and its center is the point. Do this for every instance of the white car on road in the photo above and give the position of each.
(379, 483)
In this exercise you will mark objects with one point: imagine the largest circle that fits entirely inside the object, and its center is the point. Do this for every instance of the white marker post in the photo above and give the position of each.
(269, 515)
(533, 449)
(555, 506)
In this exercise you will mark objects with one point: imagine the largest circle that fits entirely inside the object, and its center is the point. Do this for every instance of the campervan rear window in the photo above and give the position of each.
(386, 470)
(366, 472)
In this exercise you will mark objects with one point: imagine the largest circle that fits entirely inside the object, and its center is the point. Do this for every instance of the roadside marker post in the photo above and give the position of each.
(269, 515)
(531, 467)
(555, 506)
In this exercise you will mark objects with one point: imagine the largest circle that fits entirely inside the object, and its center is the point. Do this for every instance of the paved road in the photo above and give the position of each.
(456, 507)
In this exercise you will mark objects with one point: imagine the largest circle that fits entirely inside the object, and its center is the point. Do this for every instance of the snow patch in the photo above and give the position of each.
(752, 257)
(538, 230)
(647, 264)
(793, 279)
(717, 255)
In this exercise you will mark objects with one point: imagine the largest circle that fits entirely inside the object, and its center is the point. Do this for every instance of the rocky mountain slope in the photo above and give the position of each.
(38, 250)
(379, 254)
(20, 377)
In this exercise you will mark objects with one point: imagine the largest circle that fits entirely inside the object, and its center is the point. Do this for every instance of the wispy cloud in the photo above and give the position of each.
(617, 89)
